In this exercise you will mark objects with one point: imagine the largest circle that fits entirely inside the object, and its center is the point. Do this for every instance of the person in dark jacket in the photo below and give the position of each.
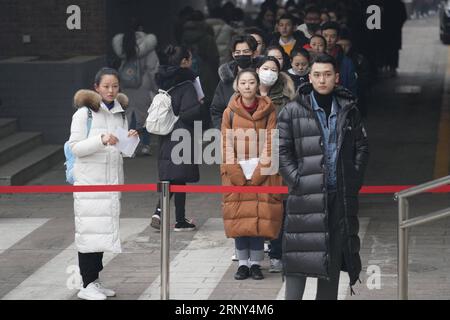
(362, 70)
(392, 20)
(345, 67)
(199, 38)
(243, 48)
(299, 71)
(176, 76)
(323, 152)
(287, 36)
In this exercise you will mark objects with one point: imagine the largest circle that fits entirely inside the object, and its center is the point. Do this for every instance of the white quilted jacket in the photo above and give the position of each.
(96, 213)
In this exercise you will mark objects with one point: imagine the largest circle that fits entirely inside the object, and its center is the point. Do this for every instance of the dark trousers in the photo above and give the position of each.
(90, 266)
(326, 289)
(275, 251)
(180, 203)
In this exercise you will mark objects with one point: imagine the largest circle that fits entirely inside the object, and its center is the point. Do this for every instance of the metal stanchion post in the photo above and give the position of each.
(165, 237)
(402, 250)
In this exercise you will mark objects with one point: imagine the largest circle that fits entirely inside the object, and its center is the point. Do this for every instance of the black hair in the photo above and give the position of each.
(331, 25)
(300, 52)
(285, 56)
(185, 12)
(287, 16)
(321, 37)
(325, 58)
(240, 38)
(265, 59)
(248, 70)
(175, 54)
(290, 3)
(346, 34)
(258, 31)
(312, 9)
(264, 9)
(129, 44)
(196, 15)
(104, 72)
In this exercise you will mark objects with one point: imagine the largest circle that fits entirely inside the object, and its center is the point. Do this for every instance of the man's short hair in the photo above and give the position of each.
(331, 25)
(241, 38)
(256, 30)
(325, 58)
(312, 9)
(287, 16)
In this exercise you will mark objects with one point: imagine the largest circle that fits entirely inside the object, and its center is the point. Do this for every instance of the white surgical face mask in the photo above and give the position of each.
(268, 77)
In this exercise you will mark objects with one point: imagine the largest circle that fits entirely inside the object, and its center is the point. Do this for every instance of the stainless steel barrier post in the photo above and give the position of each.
(163, 188)
(402, 250)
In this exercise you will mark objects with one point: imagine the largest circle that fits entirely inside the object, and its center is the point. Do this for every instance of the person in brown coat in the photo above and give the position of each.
(248, 125)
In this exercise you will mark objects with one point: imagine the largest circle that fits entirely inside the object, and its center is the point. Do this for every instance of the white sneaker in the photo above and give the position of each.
(107, 292)
(91, 292)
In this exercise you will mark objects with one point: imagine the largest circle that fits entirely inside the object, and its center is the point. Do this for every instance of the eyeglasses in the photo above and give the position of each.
(243, 52)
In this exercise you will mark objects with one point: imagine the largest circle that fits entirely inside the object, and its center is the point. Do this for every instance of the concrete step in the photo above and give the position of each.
(7, 126)
(30, 165)
(17, 144)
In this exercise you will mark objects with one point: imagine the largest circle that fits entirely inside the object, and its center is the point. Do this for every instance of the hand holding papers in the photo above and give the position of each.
(198, 89)
(249, 166)
(127, 145)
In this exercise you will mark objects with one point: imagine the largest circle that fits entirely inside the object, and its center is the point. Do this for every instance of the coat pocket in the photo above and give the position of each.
(91, 170)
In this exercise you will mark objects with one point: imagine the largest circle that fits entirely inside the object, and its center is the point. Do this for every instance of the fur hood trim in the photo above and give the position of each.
(92, 100)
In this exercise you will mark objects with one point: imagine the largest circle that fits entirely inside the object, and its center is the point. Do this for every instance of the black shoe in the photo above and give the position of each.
(186, 225)
(242, 273)
(255, 272)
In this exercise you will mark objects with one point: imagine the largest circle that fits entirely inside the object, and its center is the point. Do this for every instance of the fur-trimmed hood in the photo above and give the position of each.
(286, 84)
(92, 100)
(145, 44)
(227, 71)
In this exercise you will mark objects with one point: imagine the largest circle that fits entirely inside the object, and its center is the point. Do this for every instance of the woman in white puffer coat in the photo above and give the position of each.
(98, 162)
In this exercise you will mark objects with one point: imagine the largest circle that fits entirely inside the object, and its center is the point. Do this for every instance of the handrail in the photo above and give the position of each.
(426, 218)
(404, 224)
(423, 187)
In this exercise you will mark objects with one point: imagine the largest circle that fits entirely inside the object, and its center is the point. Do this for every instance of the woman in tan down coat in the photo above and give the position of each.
(249, 217)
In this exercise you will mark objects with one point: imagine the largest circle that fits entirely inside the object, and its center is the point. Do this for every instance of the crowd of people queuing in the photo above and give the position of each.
(302, 67)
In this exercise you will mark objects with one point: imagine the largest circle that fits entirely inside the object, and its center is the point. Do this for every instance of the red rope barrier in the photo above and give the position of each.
(191, 189)
(70, 189)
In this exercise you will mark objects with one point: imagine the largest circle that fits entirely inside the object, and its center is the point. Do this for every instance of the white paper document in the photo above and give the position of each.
(249, 166)
(127, 145)
(198, 88)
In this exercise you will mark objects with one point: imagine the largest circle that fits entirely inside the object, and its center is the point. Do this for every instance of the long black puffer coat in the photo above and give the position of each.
(306, 232)
(185, 104)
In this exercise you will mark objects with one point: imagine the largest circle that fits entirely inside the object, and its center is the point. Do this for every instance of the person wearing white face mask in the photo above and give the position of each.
(277, 85)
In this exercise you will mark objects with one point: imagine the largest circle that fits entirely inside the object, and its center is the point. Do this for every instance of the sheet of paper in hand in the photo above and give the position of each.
(249, 166)
(127, 145)
(198, 88)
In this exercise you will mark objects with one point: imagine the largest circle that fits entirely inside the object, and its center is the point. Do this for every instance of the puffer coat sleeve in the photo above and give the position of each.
(288, 163)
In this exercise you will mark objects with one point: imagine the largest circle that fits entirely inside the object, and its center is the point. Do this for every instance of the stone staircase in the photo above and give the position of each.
(23, 156)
